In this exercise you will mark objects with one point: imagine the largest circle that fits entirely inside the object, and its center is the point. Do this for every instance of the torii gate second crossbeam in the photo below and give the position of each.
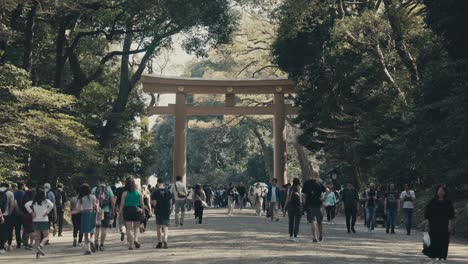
(182, 87)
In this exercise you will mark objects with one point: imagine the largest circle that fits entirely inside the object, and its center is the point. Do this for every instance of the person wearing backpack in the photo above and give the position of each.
(28, 234)
(7, 205)
(104, 195)
(391, 207)
(161, 202)
(60, 201)
(294, 204)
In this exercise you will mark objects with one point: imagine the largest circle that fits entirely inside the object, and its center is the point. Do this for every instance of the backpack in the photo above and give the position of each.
(3, 201)
(58, 199)
(296, 199)
(103, 196)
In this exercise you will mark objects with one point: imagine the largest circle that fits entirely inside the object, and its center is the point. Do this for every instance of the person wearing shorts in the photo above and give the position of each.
(40, 208)
(161, 201)
(132, 208)
(87, 207)
(105, 196)
(313, 190)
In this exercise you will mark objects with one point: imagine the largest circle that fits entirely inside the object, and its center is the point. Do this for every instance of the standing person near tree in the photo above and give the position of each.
(294, 204)
(132, 208)
(161, 202)
(439, 212)
(392, 207)
(407, 197)
(199, 197)
(88, 207)
(179, 193)
(313, 190)
(329, 202)
(105, 196)
(350, 198)
(60, 201)
(40, 208)
(274, 199)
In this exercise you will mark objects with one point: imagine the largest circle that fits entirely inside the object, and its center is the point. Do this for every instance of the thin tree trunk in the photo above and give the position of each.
(400, 45)
(29, 36)
(267, 154)
(59, 58)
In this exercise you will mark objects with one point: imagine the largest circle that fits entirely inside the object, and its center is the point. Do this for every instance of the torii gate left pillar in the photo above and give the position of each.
(179, 163)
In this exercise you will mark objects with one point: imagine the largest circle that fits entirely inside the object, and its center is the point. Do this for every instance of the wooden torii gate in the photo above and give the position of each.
(183, 86)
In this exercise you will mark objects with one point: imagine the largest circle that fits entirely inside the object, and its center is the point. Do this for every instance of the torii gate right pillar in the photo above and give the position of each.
(279, 137)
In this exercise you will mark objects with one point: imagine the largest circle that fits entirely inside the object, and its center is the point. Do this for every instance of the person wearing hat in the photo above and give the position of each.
(53, 214)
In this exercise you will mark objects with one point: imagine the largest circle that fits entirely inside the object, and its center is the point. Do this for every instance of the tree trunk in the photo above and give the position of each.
(124, 91)
(59, 58)
(267, 153)
(400, 45)
(29, 36)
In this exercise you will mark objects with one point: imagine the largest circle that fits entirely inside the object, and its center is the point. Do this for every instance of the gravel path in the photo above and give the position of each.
(245, 238)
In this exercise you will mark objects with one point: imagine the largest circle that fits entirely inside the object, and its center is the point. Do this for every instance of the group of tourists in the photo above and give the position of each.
(34, 213)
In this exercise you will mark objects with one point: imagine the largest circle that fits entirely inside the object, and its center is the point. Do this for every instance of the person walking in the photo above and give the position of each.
(179, 193)
(40, 208)
(87, 207)
(439, 213)
(18, 213)
(76, 219)
(259, 194)
(242, 195)
(294, 204)
(147, 206)
(105, 196)
(231, 195)
(199, 198)
(350, 198)
(408, 197)
(28, 234)
(329, 202)
(161, 202)
(118, 200)
(313, 190)
(7, 204)
(132, 208)
(391, 208)
(60, 201)
(274, 199)
(371, 200)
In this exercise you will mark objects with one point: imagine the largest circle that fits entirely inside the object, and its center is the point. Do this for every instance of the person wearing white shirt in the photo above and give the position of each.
(40, 208)
(407, 197)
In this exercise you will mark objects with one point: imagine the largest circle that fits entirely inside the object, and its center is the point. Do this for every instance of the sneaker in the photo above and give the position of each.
(349, 231)
(87, 252)
(159, 245)
(10, 248)
(54, 232)
(296, 239)
(93, 247)
(137, 245)
(315, 240)
(320, 239)
(181, 224)
(130, 248)
(353, 230)
(142, 230)
(277, 219)
(28, 247)
(122, 236)
(2, 251)
(74, 242)
(393, 232)
(40, 250)
(165, 245)
(101, 248)
(291, 239)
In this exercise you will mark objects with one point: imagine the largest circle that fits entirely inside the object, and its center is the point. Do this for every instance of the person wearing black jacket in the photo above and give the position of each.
(60, 200)
(350, 198)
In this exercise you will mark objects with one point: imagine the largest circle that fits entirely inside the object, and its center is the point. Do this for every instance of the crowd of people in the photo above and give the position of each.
(36, 212)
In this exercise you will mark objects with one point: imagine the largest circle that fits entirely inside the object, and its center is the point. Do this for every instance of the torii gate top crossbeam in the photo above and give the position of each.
(153, 84)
